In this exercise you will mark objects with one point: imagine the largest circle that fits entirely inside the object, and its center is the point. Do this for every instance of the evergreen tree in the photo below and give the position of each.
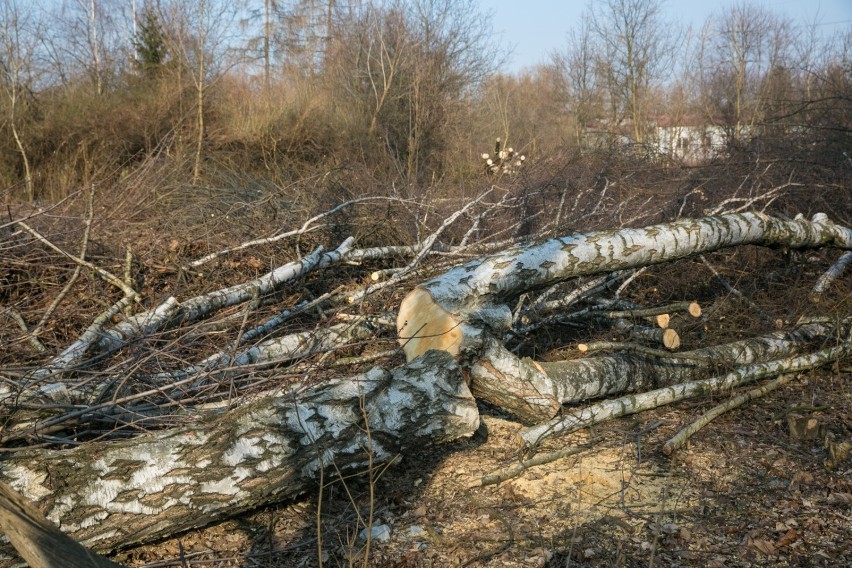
(150, 43)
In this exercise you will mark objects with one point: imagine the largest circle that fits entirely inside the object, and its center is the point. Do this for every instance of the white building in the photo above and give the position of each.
(689, 140)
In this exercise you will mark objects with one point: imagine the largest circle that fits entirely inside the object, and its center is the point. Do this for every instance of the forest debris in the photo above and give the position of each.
(682, 437)
(805, 427)
(266, 450)
(609, 409)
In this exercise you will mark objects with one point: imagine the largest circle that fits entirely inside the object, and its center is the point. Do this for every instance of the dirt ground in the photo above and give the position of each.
(747, 492)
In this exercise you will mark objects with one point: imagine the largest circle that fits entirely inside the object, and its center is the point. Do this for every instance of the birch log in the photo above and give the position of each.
(534, 391)
(170, 312)
(455, 310)
(116, 494)
(631, 404)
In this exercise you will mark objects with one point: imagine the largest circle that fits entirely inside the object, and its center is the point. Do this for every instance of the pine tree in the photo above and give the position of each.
(150, 44)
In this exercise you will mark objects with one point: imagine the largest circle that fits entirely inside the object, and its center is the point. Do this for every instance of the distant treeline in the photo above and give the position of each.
(411, 91)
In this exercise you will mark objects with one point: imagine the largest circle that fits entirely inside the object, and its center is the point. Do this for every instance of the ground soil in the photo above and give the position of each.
(746, 492)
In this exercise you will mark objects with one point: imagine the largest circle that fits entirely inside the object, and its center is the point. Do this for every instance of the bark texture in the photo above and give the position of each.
(450, 311)
(534, 391)
(110, 495)
(171, 312)
(38, 541)
(631, 404)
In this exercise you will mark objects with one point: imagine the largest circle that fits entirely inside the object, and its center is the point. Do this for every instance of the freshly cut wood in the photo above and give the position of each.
(451, 311)
(694, 309)
(671, 339)
(666, 336)
(38, 541)
(111, 495)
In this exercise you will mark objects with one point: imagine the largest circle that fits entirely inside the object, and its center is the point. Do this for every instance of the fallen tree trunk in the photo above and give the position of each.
(534, 391)
(123, 493)
(190, 310)
(609, 409)
(452, 311)
(111, 495)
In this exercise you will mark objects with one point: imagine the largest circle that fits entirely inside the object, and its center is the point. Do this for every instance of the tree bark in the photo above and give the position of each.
(170, 312)
(38, 541)
(114, 494)
(452, 311)
(534, 391)
(615, 408)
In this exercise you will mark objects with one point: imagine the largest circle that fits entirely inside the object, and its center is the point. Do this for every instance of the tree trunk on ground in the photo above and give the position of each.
(171, 312)
(534, 391)
(121, 493)
(452, 311)
(631, 404)
(111, 495)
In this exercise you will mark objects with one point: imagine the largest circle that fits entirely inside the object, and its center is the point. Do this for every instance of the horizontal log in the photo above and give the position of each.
(449, 311)
(631, 404)
(109, 495)
(534, 391)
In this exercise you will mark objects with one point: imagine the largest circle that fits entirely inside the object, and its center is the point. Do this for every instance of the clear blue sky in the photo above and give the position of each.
(535, 28)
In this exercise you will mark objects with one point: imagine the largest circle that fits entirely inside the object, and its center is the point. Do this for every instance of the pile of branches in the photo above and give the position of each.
(233, 394)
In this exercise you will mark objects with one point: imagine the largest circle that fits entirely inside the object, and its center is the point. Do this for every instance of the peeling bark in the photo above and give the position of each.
(609, 409)
(170, 311)
(116, 494)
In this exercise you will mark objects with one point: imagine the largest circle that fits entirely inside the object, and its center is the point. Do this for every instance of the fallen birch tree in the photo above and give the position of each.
(125, 492)
(464, 310)
(117, 494)
(452, 311)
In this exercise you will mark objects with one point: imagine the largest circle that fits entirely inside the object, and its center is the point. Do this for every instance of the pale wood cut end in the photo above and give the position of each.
(695, 309)
(422, 325)
(663, 320)
(671, 339)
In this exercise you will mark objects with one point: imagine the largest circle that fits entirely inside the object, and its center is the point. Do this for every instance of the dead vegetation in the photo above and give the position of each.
(761, 485)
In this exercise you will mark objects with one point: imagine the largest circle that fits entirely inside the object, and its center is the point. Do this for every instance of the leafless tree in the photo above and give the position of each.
(747, 51)
(577, 80)
(635, 49)
(200, 33)
(19, 34)
(414, 62)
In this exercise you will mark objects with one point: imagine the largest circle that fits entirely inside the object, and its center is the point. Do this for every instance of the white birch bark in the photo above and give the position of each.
(834, 272)
(534, 391)
(451, 311)
(631, 404)
(116, 494)
(170, 311)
